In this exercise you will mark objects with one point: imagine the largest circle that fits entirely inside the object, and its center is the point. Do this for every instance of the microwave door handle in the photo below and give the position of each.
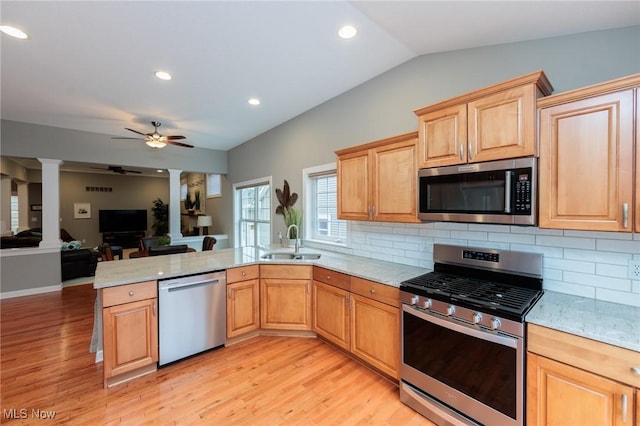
(507, 192)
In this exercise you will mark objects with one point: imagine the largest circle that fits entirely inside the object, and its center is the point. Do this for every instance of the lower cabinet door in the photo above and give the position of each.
(130, 336)
(375, 334)
(559, 394)
(285, 304)
(331, 314)
(243, 307)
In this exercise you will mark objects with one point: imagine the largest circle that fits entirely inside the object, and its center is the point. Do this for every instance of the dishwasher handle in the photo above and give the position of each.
(193, 281)
(189, 285)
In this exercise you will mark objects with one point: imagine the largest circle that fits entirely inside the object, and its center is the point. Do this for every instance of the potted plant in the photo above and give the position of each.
(196, 203)
(188, 204)
(291, 215)
(164, 240)
(160, 212)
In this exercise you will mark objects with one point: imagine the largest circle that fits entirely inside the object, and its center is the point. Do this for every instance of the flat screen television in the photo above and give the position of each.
(122, 220)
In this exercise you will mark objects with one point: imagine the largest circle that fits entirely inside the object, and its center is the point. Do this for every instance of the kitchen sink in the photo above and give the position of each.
(290, 256)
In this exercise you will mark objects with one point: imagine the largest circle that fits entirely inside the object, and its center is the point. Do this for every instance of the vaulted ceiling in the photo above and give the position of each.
(89, 65)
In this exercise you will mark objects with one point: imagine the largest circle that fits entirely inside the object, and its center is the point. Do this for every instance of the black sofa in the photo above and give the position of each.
(78, 263)
(30, 238)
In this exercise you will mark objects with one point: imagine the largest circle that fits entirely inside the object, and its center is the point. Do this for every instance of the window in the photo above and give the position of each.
(183, 191)
(253, 208)
(321, 204)
(214, 186)
(14, 214)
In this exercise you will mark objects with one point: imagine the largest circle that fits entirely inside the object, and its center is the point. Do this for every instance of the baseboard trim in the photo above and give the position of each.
(30, 291)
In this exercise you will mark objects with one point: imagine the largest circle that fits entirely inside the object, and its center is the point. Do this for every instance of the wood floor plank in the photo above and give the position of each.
(45, 365)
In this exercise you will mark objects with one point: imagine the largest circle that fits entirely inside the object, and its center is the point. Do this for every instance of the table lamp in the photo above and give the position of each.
(204, 222)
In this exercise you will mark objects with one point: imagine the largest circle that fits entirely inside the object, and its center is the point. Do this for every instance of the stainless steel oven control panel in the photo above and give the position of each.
(470, 317)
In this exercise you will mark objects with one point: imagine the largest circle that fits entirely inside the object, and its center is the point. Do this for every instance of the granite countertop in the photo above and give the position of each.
(127, 271)
(605, 322)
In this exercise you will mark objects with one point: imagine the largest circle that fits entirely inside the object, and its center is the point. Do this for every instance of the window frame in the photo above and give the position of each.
(237, 208)
(216, 194)
(310, 209)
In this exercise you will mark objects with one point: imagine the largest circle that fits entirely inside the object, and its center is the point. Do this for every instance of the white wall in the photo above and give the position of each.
(588, 264)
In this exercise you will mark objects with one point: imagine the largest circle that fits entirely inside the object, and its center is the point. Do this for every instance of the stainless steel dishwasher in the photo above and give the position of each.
(192, 315)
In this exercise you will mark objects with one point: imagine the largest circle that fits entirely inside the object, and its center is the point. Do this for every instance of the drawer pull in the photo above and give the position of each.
(635, 370)
(328, 277)
(244, 274)
(372, 291)
(131, 293)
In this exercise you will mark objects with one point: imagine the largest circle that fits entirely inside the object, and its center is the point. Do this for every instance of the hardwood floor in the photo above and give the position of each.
(45, 365)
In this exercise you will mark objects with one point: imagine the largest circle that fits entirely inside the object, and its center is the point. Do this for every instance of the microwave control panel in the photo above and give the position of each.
(523, 191)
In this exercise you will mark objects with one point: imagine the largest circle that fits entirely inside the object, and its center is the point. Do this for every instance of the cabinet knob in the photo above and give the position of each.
(372, 291)
(328, 277)
(131, 293)
(244, 274)
(635, 370)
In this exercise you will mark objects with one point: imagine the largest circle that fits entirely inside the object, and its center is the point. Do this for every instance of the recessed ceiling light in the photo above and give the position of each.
(13, 32)
(162, 75)
(347, 32)
(159, 170)
(254, 101)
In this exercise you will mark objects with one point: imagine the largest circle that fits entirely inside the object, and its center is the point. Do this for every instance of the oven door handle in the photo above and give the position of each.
(511, 342)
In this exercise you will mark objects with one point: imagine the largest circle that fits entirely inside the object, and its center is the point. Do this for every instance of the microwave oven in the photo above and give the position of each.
(501, 192)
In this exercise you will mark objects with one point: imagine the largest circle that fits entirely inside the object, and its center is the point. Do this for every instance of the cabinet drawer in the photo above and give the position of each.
(380, 292)
(609, 361)
(242, 273)
(129, 293)
(333, 278)
(285, 271)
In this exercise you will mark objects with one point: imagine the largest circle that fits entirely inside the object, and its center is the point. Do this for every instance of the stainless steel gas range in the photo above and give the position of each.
(463, 331)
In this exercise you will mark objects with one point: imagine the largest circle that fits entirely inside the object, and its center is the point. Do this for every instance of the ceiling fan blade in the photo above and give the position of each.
(135, 131)
(131, 171)
(173, 138)
(179, 144)
(117, 137)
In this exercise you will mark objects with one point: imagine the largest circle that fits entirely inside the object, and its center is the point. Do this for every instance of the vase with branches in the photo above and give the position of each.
(291, 215)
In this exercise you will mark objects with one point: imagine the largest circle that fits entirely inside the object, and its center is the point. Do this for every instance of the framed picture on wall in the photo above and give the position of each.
(82, 210)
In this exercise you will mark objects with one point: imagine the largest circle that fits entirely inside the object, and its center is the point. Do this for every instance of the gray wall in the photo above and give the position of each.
(33, 271)
(128, 192)
(384, 106)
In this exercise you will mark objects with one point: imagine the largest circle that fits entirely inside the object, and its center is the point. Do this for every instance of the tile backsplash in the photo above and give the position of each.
(588, 264)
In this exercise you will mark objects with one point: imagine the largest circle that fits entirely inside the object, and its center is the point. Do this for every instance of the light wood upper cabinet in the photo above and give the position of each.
(587, 158)
(637, 172)
(378, 181)
(493, 123)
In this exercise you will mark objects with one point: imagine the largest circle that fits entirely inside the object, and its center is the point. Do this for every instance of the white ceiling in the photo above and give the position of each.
(88, 65)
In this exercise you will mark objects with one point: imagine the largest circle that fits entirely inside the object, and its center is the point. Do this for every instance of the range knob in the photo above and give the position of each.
(494, 323)
(450, 310)
(414, 300)
(476, 318)
(427, 303)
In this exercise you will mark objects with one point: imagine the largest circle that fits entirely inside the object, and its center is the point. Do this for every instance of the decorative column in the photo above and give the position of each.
(23, 206)
(5, 204)
(50, 203)
(174, 204)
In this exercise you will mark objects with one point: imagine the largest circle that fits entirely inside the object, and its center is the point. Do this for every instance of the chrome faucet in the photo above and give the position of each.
(297, 244)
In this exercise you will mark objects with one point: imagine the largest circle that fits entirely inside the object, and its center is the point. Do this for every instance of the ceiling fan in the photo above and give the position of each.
(117, 169)
(155, 139)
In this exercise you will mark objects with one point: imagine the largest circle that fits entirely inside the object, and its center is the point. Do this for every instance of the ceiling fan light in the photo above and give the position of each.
(156, 143)
(346, 32)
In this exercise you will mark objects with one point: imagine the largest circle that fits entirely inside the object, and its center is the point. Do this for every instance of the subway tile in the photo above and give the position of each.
(485, 227)
(551, 274)
(531, 230)
(406, 231)
(512, 238)
(568, 288)
(547, 252)
(435, 233)
(597, 256)
(632, 247)
(407, 246)
(488, 245)
(566, 242)
(469, 235)
(602, 235)
(616, 271)
(571, 265)
(597, 281)
(614, 296)
(452, 226)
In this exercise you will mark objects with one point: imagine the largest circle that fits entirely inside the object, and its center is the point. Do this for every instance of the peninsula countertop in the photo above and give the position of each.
(127, 271)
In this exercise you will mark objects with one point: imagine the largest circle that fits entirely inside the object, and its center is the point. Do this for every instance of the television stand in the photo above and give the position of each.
(129, 239)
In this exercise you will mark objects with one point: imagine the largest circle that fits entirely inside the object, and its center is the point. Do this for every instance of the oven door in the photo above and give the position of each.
(459, 366)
